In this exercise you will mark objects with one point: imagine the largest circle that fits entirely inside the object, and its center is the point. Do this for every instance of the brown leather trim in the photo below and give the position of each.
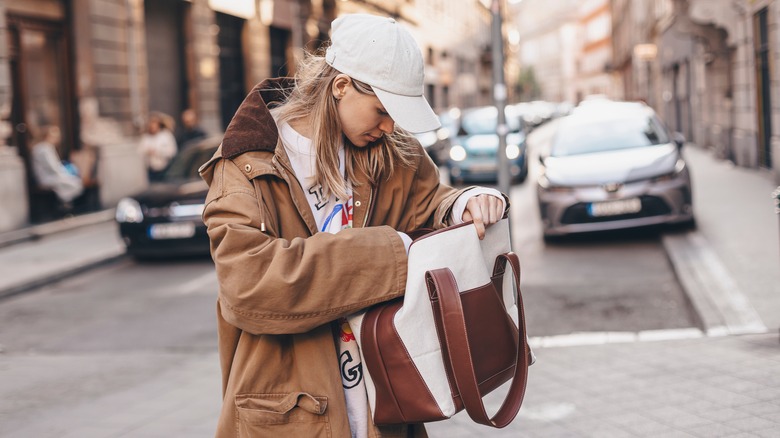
(482, 349)
(402, 395)
(472, 342)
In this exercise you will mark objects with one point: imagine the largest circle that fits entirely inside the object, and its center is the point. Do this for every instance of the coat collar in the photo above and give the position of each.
(253, 128)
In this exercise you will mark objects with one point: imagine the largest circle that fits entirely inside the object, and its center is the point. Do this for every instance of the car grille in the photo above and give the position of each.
(651, 206)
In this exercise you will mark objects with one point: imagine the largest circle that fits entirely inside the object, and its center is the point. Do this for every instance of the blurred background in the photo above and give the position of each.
(97, 69)
(640, 142)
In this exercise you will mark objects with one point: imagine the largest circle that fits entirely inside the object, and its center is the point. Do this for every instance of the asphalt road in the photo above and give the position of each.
(126, 324)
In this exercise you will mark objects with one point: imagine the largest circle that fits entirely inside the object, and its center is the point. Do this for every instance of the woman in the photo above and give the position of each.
(311, 194)
(50, 172)
(158, 145)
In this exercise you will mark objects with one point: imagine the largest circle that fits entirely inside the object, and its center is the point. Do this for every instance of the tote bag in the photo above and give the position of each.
(456, 335)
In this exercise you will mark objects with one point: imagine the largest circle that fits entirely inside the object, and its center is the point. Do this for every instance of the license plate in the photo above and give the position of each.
(179, 230)
(614, 208)
(482, 167)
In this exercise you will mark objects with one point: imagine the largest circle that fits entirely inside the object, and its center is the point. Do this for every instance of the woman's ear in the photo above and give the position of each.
(340, 84)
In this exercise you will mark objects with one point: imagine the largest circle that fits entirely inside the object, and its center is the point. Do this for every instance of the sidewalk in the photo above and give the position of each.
(705, 384)
(41, 254)
(709, 387)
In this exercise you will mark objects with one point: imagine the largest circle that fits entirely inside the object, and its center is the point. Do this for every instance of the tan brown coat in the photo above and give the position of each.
(282, 284)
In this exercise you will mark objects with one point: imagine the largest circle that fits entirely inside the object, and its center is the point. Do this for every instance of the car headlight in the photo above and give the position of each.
(129, 210)
(678, 168)
(545, 184)
(512, 151)
(458, 153)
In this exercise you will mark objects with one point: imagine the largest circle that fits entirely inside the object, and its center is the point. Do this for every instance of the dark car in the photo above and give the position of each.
(437, 143)
(474, 152)
(165, 219)
(613, 165)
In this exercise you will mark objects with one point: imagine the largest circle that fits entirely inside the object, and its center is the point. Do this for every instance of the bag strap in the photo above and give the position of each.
(451, 309)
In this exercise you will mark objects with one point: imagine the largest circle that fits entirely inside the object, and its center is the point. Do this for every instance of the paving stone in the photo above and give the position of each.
(713, 430)
(750, 424)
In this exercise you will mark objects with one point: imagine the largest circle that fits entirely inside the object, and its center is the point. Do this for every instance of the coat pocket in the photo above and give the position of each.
(278, 415)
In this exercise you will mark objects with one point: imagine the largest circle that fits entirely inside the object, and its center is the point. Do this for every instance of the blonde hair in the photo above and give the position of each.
(164, 120)
(312, 98)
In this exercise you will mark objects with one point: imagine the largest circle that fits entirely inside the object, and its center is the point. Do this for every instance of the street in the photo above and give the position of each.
(613, 114)
(99, 339)
(130, 326)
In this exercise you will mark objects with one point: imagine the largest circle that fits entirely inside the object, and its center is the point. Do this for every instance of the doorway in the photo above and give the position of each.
(231, 65)
(42, 80)
(763, 88)
(165, 56)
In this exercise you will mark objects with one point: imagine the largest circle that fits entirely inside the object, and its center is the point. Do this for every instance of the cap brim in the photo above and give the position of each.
(411, 113)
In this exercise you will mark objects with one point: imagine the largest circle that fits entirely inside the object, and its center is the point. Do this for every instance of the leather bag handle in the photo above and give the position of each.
(451, 312)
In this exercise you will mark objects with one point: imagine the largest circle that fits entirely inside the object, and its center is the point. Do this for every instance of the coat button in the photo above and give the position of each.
(357, 203)
(248, 168)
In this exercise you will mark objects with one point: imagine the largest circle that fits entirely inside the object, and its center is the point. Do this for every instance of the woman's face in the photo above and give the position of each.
(154, 126)
(363, 118)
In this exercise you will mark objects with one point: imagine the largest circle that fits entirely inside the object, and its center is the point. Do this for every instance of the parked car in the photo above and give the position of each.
(613, 165)
(437, 143)
(474, 152)
(165, 219)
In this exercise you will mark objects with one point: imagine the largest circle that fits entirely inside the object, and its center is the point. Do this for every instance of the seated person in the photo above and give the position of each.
(190, 129)
(48, 169)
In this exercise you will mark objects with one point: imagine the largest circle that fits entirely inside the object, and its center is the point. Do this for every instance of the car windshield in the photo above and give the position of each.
(484, 121)
(611, 134)
(186, 163)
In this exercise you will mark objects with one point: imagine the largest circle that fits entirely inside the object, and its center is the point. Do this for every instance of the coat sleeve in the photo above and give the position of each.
(429, 202)
(271, 285)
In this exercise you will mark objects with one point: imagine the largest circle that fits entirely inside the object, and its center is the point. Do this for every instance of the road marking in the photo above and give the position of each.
(715, 295)
(547, 412)
(199, 282)
(603, 338)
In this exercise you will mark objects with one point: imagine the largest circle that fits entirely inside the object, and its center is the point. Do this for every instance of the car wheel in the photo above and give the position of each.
(550, 239)
(523, 175)
(688, 225)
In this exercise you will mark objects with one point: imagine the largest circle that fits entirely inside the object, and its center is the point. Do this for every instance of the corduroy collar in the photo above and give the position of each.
(253, 128)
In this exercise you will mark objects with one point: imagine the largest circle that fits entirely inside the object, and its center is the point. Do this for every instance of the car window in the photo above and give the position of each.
(608, 135)
(484, 121)
(185, 165)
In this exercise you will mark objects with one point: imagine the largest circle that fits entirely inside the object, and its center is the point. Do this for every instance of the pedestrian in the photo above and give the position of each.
(312, 192)
(51, 172)
(158, 145)
(190, 129)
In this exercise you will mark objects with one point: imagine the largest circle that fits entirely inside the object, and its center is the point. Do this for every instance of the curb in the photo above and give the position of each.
(37, 231)
(70, 271)
(721, 306)
(78, 266)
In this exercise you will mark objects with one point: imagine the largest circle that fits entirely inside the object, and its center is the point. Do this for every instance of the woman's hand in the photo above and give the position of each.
(483, 210)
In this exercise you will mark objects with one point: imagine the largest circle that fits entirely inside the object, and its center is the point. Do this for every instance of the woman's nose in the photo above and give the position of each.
(386, 125)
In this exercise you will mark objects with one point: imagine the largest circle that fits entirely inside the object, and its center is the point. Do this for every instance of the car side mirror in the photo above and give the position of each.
(679, 139)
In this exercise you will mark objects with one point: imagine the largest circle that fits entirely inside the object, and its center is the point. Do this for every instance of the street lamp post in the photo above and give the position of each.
(499, 96)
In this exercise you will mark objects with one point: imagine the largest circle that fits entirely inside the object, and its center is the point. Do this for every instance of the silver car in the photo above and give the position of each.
(613, 165)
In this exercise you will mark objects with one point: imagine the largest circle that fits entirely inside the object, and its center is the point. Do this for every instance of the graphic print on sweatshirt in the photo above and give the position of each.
(331, 216)
(349, 359)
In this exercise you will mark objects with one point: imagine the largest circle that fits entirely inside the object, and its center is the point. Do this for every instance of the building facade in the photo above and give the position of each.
(707, 67)
(568, 44)
(97, 68)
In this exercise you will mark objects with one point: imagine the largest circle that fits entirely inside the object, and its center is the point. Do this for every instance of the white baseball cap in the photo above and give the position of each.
(383, 54)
